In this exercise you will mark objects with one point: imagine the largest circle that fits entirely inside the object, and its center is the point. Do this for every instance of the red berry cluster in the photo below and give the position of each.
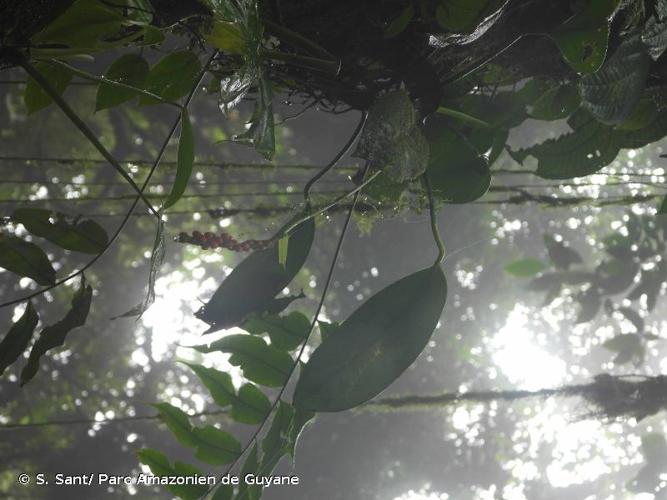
(210, 240)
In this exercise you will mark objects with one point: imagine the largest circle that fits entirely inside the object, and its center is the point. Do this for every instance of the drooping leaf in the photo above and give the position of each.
(399, 23)
(17, 339)
(286, 332)
(253, 284)
(260, 133)
(186, 158)
(662, 210)
(556, 103)
(35, 96)
(178, 423)
(84, 24)
(252, 405)
(227, 36)
(54, 335)
(26, 259)
(172, 77)
(563, 257)
(65, 231)
(219, 384)
(276, 443)
(278, 305)
(130, 69)
(260, 362)
(525, 268)
(591, 146)
(283, 245)
(457, 173)
(160, 466)
(374, 346)
(628, 347)
(612, 92)
(463, 16)
(300, 420)
(590, 303)
(215, 447)
(250, 466)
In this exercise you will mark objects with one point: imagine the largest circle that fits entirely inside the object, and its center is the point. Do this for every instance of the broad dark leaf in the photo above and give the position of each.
(250, 466)
(172, 77)
(286, 332)
(130, 69)
(276, 443)
(65, 231)
(26, 259)
(260, 362)
(628, 347)
(654, 35)
(563, 257)
(17, 339)
(254, 283)
(399, 23)
(215, 447)
(463, 16)
(160, 466)
(35, 96)
(589, 303)
(374, 346)
(186, 157)
(613, 92)
(54, 335)
(457, 173)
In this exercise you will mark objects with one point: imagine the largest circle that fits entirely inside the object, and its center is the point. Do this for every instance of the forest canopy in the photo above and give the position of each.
(453, 117)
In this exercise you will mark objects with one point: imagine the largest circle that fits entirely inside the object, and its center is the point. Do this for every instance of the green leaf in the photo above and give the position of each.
(276, 443)
(260, 362)
(17, 339)
(463, 16)
(613, 92)
(457, 173)
(525, 268)
(563, 257)
(26, 259)
(35, 96)
(556, 103)
(160, 466)
(260, 134)
(463, 117)
(67, 232)
(662, 209)
(276, 306)
(327, 329)
(589, 147)
(178, 423)
(286, 332)
(253, 284)
(215, 447)
(227, 36)
(54, 335)
(283, 245)
(252, 405)
(84, 24)
(398, 24)
(300, 420)
(219, 384)
(186, 158)
(172, 77)
(251, 466)
(130, 69)
(654, 35)
(374, 346)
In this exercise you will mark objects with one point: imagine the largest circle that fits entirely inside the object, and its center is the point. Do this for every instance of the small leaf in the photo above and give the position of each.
(563, 257)
(612, 93)
(178, 423)
(633, 317)
(662, 210)
(26, 259)
(172, 77)
(67, 232)
(130, 69)
(627, 347)
(276, 443)
(286, 332)
(525, 268)
(252, 405)
(283, 244)
(35, 96)
(556, 103)
(374, 346)
(219, 384)
(215, 447)
(54, 335)
(227, 36)
(398, 24)
(17, 339)
(260, 362)
(253, 284)
(186, 157)
(590, 305)
(251, 466)
(300, 420)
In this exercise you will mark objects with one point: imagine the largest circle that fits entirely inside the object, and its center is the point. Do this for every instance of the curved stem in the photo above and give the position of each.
(114, 83)
(336, 159)
(129, 213)
(434, 221)
(85, 130)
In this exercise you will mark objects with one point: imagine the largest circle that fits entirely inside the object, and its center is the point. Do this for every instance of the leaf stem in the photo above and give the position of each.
(434, 220)
(102, 79)
(85, 130)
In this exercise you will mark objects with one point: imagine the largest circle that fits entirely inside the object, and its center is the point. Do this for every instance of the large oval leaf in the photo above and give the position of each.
(253, 284)
(65, 231)
(26, 259)
(172, 76)
(131, 69)
(374, 345)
